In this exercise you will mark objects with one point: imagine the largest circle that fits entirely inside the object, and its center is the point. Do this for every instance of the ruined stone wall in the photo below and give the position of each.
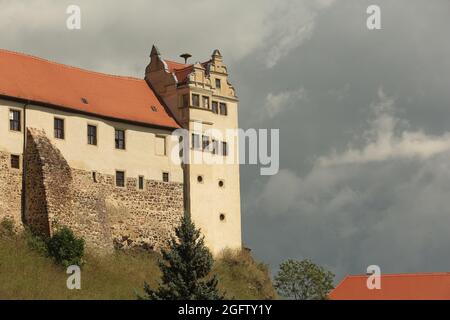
(10, 191)
(103, 214)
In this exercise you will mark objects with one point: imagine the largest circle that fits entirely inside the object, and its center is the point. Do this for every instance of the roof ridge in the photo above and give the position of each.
(401, 274)
(69, 66)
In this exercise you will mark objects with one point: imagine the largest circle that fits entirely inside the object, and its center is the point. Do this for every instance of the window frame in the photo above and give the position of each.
(164, 174)
(207, 105)
(185, 100)
(117, 139)
(59, 133)
(215, 107)
(206, 141)
(141, 179)
(215, 146)
(12, 121)
(14, 156)
(158, 136)
(224, 148)
(223, 111)
(89, 125)
(197, 96)
(124, 180)
(197, 146)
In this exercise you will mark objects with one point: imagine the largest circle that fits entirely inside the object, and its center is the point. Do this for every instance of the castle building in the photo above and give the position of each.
(93, 151)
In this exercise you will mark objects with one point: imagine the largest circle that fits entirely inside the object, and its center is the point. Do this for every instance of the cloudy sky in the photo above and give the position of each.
(364, 115)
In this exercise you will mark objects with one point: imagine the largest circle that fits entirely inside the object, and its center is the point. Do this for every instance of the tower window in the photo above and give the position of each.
(195, 141)
(165, 176)
(120, 139)
(214, 107)
(14, 120)
(222, 217)
(215, 147)
(59, 128)
(196, 100)
(205, 142)
(200, 179)
(221, 183)
(205, 102)
(92, 134)
(224, 148)
(185, 100)
(141, 183)
(15, 161)
(218, 84)
(120, 178)
(223, 109)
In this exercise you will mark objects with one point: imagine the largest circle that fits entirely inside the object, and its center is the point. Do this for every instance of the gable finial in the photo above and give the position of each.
(155, 51)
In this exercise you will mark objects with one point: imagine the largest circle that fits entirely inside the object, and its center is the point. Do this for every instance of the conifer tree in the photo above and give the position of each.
(185, 268)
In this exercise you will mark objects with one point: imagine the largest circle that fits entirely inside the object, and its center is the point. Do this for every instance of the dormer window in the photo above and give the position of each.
(218, 84)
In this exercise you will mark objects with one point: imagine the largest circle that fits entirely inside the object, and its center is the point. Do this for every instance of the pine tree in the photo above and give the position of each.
(185, 268)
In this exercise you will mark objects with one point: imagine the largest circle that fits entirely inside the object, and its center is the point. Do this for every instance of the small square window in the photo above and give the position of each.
(120, 139)
(223, 109)
(14, 120)
(141, 183)
(196, 100)
(165, 176)
(218, 84)
(59, 128)
(15, 161)
(120, 178)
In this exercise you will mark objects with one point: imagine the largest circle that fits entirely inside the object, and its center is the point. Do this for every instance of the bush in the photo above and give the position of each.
(65, 248)
(7, 225)
(35, 241)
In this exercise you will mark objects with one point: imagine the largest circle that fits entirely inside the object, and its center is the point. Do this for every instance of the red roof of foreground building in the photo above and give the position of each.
(419, 286)
(41, 81)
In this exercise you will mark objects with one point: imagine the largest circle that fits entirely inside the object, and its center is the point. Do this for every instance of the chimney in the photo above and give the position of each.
(185, 56)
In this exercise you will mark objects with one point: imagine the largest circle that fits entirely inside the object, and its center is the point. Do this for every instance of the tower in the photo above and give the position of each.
(203, 101)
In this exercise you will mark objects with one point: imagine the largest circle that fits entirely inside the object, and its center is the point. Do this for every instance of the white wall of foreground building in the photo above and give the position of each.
(139, 158)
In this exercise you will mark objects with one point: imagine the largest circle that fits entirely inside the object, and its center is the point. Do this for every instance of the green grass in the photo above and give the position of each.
(25, 273)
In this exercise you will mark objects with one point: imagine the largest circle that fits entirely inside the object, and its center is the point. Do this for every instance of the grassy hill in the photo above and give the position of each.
(26, 273)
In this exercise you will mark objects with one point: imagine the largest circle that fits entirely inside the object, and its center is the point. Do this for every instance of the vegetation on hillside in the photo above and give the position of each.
(186, 268)
(27, 273)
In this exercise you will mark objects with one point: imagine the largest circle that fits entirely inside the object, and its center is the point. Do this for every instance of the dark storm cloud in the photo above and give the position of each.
(347, 195)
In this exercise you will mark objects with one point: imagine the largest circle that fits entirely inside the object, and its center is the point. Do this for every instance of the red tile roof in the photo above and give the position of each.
(181, 70)
(41, 81)
(420, 286)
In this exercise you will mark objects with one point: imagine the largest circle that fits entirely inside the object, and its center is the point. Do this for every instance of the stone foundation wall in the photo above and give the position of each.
(10, 191)
(103, 214)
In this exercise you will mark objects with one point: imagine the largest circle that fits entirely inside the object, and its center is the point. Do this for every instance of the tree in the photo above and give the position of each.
(185, 268)
(303, 280)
